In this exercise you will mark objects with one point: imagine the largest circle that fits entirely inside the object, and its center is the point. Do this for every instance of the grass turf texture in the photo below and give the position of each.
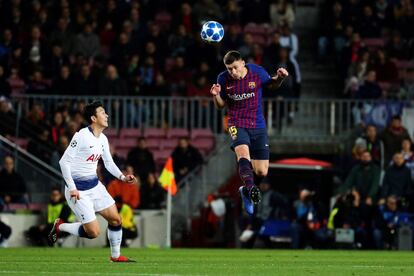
(85, 261)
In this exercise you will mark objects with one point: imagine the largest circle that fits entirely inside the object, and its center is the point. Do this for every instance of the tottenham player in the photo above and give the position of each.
(84, 193)
(240, 88)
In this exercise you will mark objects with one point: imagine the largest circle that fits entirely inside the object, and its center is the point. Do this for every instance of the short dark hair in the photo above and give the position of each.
(396, 117)
(90, 110)
(231, 57)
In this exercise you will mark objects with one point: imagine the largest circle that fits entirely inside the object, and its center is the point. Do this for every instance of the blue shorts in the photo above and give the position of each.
(255, 138)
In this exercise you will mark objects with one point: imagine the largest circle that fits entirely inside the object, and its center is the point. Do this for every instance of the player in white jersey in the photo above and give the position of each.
(85, 194)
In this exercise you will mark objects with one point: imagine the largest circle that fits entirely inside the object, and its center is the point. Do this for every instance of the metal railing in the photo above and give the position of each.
(288, 119)
(39, 177)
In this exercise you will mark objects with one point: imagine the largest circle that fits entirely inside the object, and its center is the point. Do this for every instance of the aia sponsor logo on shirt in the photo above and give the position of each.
(94, 157)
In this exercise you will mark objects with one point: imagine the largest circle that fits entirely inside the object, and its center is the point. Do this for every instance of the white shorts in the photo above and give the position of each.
(90, 202)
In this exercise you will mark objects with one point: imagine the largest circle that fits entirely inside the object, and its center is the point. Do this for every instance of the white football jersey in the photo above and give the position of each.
(80, 160)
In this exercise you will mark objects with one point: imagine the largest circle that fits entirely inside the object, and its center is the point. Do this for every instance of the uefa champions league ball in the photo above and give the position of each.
(212, 31)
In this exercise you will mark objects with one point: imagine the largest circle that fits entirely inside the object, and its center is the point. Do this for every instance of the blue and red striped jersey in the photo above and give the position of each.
(244, 97)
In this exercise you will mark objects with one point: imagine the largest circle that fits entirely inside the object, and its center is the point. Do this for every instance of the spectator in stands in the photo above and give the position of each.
(281, 12)
(56, 208)
(106, 176)
(331, 29)
(179, 76)
(62, 35)
(87, 42)
(386, 224)
(358, 69)
(185, 158)
(364, 179)
(371, 142)
(128, 193)
(12, 185)
(245, 48)
(112, 84)
(368, 24)
(397, 48)
(7, 45)
(129, 228)
(57, 128)
(232, 13)
(38, 84)
(186, 17)
(308, 228)
(153, 193)
(273, 207)
(385, 69)
(205, 10)
(64, 83)
(288, 88)
(369, 89)
(122, 50)
(5, 233)
(347, 214)
(85, 83)
(407, 85)
(17, 84)
(63, 143)
(290, 40)
(41, 146)
(56, 60)
(34, 50)
(406, 151)
(392, 138)
(397, 180)
(233, 38)
(271, 53)
(5, 89)
(179, 41)
(141, 159)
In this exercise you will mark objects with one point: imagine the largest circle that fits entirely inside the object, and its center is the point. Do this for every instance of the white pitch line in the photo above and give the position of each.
(81, 273)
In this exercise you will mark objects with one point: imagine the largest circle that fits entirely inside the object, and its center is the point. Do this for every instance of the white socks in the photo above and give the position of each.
(115, 238)
(71, 228)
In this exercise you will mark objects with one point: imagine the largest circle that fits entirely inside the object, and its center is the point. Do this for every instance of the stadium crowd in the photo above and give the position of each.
(373, 45)
(152, 48)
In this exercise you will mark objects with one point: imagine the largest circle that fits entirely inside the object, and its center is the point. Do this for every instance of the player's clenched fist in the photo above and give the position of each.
(215, 89)
(282, 73)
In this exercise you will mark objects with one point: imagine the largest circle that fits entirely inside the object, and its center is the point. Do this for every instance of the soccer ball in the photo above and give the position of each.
(212, 31)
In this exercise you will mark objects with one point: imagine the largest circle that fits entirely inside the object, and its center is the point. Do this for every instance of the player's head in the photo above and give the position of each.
(95, 114)
(235, 64)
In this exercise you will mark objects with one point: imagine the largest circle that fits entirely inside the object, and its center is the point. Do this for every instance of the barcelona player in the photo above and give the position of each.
(240, 89)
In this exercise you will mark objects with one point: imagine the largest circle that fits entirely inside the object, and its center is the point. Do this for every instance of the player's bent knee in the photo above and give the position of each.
(261, 172)
(115, 221)
(93, 232)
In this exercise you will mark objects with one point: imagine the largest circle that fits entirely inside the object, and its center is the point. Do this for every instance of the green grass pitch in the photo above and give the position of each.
(86, 261)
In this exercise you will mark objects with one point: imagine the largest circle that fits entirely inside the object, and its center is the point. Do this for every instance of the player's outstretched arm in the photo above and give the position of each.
(281, 74)
(215, 91)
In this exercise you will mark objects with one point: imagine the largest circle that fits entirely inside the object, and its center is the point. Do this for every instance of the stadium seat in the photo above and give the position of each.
(203, 143)
(130, 133)
(177, 132)
(21, 142)
(127, 143)
(163, 19)
(154, 133)
(201, 133)
(122, 152)
(168, 144)
(374, 43)
(111, 132)
(154, 143)
(161, 156)
(385, 86)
